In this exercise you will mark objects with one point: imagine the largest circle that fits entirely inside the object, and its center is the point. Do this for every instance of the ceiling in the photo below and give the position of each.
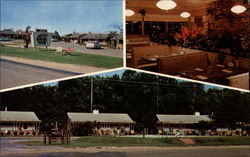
(195, 7)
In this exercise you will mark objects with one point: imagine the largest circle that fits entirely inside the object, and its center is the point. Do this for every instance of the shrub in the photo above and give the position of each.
(15, 133)
(33, 133)
(8, 133)
(21, 133)
(84, 129)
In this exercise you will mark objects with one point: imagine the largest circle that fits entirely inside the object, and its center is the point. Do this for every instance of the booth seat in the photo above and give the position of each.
(135, 41)
(138, 54)
(172, 65)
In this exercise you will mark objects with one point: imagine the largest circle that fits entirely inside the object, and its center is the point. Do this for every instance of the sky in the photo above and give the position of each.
(64, 16)
(120, 73)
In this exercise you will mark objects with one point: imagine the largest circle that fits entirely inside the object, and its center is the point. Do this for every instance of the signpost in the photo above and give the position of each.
(40, 37)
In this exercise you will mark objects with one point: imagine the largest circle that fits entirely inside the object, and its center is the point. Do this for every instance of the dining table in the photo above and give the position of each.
(211, 73)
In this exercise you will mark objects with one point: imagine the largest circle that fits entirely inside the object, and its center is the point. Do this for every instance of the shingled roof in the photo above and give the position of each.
(7, 31)
(119, 36)
(176, 119)
(100, 117)
(66, 35)
(18, 116)
(93, 36)
(76, 36)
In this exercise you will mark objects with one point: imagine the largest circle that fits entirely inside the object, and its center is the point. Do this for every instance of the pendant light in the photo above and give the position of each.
(129, 12)
(238, 9)
(166, 4)
(185, 14)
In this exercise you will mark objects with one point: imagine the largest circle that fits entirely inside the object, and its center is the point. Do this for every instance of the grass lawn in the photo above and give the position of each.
(220, 141)
(93, 141)
(53, 56)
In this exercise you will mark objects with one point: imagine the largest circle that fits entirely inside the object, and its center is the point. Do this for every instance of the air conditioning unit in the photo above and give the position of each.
(40, 38)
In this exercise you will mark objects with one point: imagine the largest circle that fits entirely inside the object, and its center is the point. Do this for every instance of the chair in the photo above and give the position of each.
(59, 49)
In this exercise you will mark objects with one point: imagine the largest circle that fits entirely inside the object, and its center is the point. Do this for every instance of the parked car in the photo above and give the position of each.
(93, 45)
(5, 39)
(54, 40)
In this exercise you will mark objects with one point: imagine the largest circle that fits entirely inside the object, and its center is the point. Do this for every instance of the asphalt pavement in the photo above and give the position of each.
(10, 149)
(15, 74)
(81, 48)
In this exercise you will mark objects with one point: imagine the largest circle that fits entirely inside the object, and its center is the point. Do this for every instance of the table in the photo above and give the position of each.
(152, 58)
(211, 73)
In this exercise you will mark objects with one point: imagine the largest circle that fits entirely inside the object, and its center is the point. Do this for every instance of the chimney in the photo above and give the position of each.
(197, 113)
(95, 111)
(6, 109)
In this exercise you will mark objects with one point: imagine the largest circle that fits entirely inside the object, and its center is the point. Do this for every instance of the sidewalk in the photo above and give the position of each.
(58, 66)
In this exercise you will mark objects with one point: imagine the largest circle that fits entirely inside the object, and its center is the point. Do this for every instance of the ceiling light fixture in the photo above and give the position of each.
(166, 4)
(238, 9)
(129, 12)
(185, 14)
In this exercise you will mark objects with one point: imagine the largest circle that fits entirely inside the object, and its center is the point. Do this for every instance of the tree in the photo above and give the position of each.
(138, 94)
(83, 129)
(26, 36)
(118, 27)
(56, 35)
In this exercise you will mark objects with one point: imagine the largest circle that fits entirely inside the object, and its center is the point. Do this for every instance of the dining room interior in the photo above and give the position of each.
(204, 40)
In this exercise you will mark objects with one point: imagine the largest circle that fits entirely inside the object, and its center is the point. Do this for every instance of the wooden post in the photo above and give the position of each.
(49, 140)
(62, 137)
(143, 13)
(44, 139)
(142, 26)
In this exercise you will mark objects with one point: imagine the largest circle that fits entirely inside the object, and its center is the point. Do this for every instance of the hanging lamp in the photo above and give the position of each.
(129, 12)
(238, 9)
(185, 14)
(166, 4)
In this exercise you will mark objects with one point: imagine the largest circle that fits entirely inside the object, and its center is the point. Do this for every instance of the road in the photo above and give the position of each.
(10, 149)
(15, 74)
(81, 48)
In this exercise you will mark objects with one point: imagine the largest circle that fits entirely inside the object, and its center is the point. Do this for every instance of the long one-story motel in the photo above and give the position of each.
(19, 122)
(116, 124)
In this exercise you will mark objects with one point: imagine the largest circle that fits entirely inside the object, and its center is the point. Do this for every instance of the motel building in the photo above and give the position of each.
(7, 33)
(100, 37)
(105, 123)
(168, 124)
(164, 36)
(19, 123)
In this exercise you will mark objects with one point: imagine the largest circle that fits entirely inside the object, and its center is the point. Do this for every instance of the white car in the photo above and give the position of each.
(5, 39)
(93, 45)
(54, 40)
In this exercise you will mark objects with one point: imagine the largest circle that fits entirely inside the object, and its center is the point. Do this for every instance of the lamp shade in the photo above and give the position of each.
(238, 9)
(129, 12)
(185, 14)
(166, 4)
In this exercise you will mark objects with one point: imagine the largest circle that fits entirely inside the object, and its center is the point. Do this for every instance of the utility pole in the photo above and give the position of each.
(91, 95)
(157, 97)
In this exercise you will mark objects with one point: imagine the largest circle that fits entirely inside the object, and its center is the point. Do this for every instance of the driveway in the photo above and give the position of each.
(81, 48)
(10, 149)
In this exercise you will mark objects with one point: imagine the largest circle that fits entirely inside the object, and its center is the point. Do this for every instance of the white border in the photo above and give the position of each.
(124, 67)
(124, 34)
(189, 80)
